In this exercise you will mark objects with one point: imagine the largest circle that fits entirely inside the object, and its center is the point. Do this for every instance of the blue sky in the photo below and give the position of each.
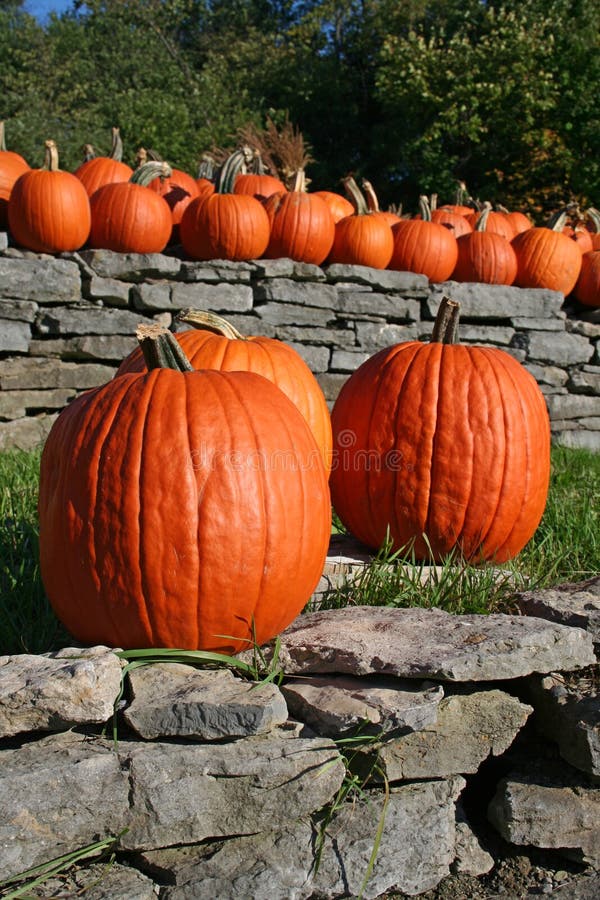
(42, 8)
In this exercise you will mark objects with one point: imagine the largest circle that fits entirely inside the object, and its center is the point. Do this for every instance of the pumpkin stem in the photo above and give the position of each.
(369, 191)
(116, 151)
(594, 214)
(88, 152)
(558, 220)
(150, 170)
(445, 329)
(2, 138)
(424, 208)
(160, 348)
(433, 202)
(355, 196)
(298, 181)
(51, 157)
(209, 321)
(483, 218)
(235, 164)
(206, 167)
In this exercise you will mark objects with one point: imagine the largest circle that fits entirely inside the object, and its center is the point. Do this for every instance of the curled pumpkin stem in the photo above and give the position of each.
(209, 321)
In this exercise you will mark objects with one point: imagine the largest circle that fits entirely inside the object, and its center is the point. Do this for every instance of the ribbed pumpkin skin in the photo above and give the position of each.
(101, 170)
(362, 240)
(12, 165)
(587, 289)
(302, 228)
(257, 185)
(485, 257)
(457, 223)
(175, 508)
(129, 218)
(49, 212)
(519, 221)
(274, 360)
(497, 223)
(546, 259)
(224, 226)
(424, 247)
(443, 440)
(339, 206)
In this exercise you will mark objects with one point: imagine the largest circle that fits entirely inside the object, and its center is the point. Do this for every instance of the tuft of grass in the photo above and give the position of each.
(27, 622)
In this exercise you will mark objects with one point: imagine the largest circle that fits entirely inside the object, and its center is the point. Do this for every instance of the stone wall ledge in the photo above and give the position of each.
(73, 315)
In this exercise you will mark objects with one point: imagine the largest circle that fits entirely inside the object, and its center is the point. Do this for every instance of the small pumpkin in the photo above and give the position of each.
(12, 165)
(423, 246)
(213, 343)
(446, 445)
(178, 189)
(97, 171)
(339, 206)
(224, 225)
(496, 222)
(485, 256)
(364, 238)
(587, 288)
(547, 258)
(181, 509)
(302, 227)
(49, 209)
(129, 218)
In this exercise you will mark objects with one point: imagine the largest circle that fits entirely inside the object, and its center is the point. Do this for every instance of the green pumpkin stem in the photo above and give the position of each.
(235, 164)
(445, 329)
(355, 196)
(116, 150)
(206, 167)
(160, 348)
(148, 171)
(424, 208)
(209, 321)
(483, 218)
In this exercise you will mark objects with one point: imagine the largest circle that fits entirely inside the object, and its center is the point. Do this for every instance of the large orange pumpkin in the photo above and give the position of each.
(224, 225)
(12, 165)
(100, 170)
(447, 445)
(485, 256)
(213, 343)
(127, 217)
(181, 509)
(547, 258)
(49, 210)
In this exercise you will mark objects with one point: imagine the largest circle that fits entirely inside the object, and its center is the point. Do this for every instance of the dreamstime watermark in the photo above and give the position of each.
(345, 456)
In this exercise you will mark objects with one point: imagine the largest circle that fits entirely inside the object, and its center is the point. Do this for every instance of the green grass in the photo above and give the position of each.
(566, 547)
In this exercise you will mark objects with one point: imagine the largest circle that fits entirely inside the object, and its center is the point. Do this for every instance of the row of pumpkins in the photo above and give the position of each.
(187, 502)
(240, 215)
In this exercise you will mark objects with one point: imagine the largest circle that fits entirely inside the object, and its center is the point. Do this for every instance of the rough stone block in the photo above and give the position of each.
(347, 360)
(291, 314)
(28, 433)
(410, 284)
(47, 372)
(316, 358)
(302, 293)
(559, 349)
(496, 301)
(45, 281)
(373, 336)
(131, 267)
(15, 404)
(19, 310)
(14, 336)
(358, 304)
(214, 297)
(86, 319)
(107, 290)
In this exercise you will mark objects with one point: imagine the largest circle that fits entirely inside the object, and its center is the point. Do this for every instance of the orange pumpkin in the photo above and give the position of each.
(339, 206)
(224, 225)
(12, 165)
(373, 203)
(129, 218)
(485, 256)
(446, 445)
(97, 171)
(49, 210)
(179, 189)
(547, 258)
(302, 227)
(364, 238)
(213, 343)
(423, 246)
(181, 509)
(587, 289)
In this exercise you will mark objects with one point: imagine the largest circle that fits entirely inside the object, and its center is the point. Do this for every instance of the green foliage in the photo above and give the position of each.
(411, 95)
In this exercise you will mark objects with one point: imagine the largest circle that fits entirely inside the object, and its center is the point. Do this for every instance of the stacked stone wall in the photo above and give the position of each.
(66, 322)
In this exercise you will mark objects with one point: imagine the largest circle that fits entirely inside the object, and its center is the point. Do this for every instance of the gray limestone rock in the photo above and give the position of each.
(109, 291)
(496, 301)
(58, 794)
(85, 319)
(28, 433)
(361, 303)
(335, 705)
(575, 603)
(185, 793)
(14, 336)
(21, 373)
(58, 690)
(171, 699)
(471, 856)
(130, 267)
(222, 297)
(106, 880)
(549, 813)
(568, 712)
(275, 313)
(373, 336)
(559, 349)
(469, 728)
(14, 404)
(430, 643)
(302, 293)
(45, 280)
(409, 283)
(100, 347)
(216, 270)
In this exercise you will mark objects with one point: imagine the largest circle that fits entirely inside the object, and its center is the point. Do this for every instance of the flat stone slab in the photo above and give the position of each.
(58, 690)
(573, 603)
(430, 643)
(332, 706)
(170, 700)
